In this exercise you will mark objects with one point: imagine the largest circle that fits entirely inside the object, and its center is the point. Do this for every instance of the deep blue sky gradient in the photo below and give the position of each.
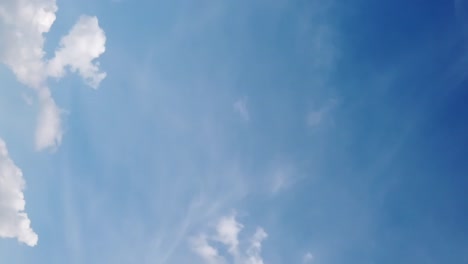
(381, 179)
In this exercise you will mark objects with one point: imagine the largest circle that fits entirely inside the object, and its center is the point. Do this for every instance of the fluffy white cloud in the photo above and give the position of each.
(14, 222)
(85, 42)
(23, 24)
(240, 106)
(227, 233)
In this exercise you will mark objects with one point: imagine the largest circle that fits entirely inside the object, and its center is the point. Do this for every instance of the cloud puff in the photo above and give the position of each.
(85, 42)
(23, 24)
(240, 106)
(14, 222)
(227, 233)
(253, 253)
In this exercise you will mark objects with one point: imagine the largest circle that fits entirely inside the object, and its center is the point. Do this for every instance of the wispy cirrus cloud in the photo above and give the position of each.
(240, 107)
(281, 176)
(308, 258)
(316, 117)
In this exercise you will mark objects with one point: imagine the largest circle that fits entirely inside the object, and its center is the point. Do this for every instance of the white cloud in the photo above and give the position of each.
(208, 253)
(49, 130)
(308, 258)
(23, 24)
(14, 222)
(240, 106)
(281, 177)
(227, 233)
(85, 42)
(253, 253)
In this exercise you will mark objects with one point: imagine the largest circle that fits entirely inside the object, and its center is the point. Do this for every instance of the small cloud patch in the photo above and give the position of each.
(240, 107)
(227, 232)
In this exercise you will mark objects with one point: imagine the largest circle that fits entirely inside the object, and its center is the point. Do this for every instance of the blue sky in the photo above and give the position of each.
(241, 132)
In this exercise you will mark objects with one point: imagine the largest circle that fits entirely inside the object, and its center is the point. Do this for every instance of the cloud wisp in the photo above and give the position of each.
(23, 24)
(308, 258)
(14, 222)
(240, 106)
(227, 232)
(316, 117)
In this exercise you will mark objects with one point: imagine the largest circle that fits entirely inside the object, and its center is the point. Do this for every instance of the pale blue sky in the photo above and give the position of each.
(325, 131)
